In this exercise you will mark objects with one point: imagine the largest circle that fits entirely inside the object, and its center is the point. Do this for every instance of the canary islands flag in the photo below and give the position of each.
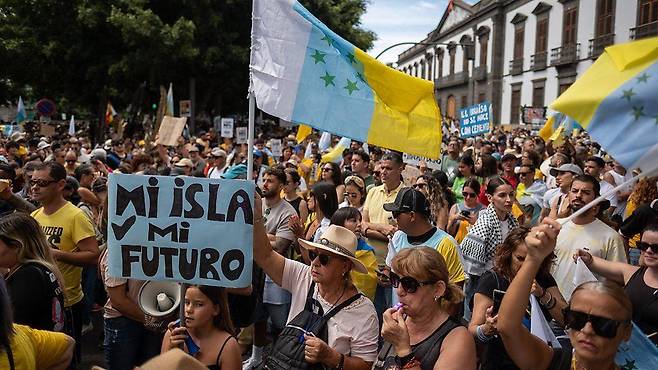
(616, 101)
(303, 72)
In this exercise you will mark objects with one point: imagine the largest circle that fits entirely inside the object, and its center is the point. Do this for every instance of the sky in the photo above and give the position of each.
(397, 21)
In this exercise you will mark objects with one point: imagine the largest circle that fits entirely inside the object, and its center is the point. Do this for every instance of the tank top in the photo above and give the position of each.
(426, 351)
(216, 366)
(645, 303)
(295, 204)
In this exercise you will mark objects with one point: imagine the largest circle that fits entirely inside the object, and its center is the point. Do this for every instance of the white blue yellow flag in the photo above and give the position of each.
(20, 111)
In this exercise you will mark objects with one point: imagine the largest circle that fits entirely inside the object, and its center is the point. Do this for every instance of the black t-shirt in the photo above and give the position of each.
(36, 297)
(645, 303)
(494, 355)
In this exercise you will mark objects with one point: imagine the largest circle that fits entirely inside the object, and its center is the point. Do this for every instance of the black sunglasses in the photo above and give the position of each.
(42, 183)
(643, 246)
(419, 186)
(603, 327)
(324, 259)
(466, 194)
(409, 284)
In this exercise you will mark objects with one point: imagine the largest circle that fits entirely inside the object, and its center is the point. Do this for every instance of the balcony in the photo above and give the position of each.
(598, 44)
(516, 66)
(480, 73)
(564, 55)
(538, 61)
(645, 30)
(455, 79)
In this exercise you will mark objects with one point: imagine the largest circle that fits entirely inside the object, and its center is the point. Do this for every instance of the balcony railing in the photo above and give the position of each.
(538, 61)
(645, 30)
(566, 54)
(480, 73)
(454, 79)
(516, 66)
(598, 44)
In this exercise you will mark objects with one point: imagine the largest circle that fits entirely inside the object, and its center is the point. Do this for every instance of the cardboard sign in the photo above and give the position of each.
(227, 127)
(241, 134)
(185, 108)
(474, 120)
(186, 229)
(414, 160)
(46, 130)
(171, 129)
(276, 148)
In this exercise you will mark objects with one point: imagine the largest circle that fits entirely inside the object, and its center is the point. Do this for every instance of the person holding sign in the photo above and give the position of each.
(351, 332)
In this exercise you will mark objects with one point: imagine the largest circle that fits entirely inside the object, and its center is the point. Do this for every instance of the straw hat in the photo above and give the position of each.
(340, 241)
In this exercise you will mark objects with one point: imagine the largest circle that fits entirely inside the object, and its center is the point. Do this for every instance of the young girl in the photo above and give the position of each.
(208, 324)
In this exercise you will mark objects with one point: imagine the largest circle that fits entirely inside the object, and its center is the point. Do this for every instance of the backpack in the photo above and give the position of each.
(288, 351)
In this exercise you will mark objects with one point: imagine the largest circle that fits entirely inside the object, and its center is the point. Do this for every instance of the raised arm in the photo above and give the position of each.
(265, 257)
(618, 272)
(526, 350)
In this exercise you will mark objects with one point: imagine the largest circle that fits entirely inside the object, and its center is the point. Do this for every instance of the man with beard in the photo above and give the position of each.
(556, 200)
(584, 232)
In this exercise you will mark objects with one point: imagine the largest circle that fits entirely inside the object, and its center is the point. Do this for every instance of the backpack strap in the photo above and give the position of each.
(325, 318)
(309, 297)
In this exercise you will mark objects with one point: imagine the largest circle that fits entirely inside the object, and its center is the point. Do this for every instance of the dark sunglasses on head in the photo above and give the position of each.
(41, 183)
(603, 327)
(324, 259)
(466, 194)
(409, 284)
(643, 246)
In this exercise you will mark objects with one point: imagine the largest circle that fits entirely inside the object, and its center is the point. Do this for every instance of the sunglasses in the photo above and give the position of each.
(324, 259)
(42, 183)
(603, 327)
(409, 284)
(327, 169)
(397, 214)
(70, 161)
(419, 186)
(466, 194)
(643, 246)
(524, 173)
(351, 195)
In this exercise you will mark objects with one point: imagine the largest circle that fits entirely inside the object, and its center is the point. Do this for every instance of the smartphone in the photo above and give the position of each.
(497, 300)
(465, 213)
(192, 347)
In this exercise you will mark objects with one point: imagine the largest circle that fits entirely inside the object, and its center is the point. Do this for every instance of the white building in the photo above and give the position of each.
(526, 53)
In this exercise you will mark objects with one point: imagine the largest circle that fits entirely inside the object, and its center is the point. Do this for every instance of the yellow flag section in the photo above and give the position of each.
(302, 132)
(406, 114)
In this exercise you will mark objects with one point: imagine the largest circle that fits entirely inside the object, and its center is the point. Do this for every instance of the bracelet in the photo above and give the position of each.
(551, 303)
(341, 363)
(365, 232)
(411, 364)
(547, 301)
(481, 336)
(404, 360)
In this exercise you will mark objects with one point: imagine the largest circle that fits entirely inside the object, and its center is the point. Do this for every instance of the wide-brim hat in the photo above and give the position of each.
(340, 241)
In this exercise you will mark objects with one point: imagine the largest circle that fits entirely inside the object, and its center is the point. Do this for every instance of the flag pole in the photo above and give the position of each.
(250, 140)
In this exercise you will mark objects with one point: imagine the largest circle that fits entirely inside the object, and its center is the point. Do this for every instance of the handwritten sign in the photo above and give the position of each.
(475, 120)
(227, 127)
(170, 130)
(276, 148)
(414, 160)
(185, 229)
(185, 108)
(241, 135)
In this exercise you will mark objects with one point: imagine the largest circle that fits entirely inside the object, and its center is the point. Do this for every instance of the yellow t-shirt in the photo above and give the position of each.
(64, 229)
(366, 283)
(374, 204)
(34, 349)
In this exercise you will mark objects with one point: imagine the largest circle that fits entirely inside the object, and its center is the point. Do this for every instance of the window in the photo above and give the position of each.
(484, 44)
(515, 104)
(605, 19)
(422, 69)
(452, 52)
(563, 87)
(647, 11)
(541, 42)
(519, 34)
(570, 27)
(482, 97)
(440, 64)
(464, 101)
(538, 91)
(430, 65)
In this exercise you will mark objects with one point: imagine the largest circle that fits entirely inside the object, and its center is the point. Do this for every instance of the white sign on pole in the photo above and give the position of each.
(414, 160)
(227, 127)
(217, 123)
(276, 148)
(241, 135)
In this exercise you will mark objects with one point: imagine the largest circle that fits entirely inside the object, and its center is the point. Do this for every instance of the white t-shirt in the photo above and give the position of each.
(599, 239)
(549, 196)
(606, 187)
(352, 331)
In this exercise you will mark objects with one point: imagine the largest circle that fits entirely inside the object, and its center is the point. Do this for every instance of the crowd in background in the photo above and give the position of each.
(403, 262)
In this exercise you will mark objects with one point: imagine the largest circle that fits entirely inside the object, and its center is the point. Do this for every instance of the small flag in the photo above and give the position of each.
(72, 126)
(109, 113)
(20, 111)
(302, 132)
(303, 72)
(170, 102)
(336, 153)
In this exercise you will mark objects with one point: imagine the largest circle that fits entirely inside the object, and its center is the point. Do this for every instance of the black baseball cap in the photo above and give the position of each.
(409, 200)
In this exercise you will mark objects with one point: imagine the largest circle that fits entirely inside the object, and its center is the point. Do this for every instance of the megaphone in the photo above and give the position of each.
(159, 298)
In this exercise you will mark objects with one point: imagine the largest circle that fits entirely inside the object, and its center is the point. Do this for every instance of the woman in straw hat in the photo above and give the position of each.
(351, 341)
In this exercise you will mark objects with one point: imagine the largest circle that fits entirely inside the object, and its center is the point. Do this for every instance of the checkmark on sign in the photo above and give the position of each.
(121, 230)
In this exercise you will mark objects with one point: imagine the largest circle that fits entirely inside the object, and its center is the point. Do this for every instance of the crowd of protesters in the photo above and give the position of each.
(361, 260)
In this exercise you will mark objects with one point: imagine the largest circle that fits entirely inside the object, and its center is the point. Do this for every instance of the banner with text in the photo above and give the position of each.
(415, 160)
(475, 120)
(185, 229)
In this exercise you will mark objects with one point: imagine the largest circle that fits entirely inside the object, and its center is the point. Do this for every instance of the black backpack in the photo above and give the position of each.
(288, 351)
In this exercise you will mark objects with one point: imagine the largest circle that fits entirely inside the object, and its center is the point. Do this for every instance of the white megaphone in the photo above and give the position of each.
(159, 298)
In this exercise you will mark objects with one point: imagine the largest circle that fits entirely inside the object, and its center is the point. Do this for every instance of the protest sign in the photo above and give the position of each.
(276, 148)
(241, 133)
(227, 127)
(185, 229)
(170, 130)
(46, 130)
(217, 123)
(474, 120)
(185, 108)
(414, 160)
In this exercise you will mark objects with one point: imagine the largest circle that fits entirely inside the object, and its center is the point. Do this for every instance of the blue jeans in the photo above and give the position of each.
(128, 343)
(89, 278)
(469, 292)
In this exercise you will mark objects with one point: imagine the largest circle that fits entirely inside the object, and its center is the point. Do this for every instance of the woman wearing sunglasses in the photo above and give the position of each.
(464, 214)
(419, 332)
(598, 317)
(331, 173)
(355, 192)
(351, 341)
(640, 283)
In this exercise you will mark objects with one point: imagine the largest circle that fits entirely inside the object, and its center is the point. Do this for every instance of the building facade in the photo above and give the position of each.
(521, 53)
